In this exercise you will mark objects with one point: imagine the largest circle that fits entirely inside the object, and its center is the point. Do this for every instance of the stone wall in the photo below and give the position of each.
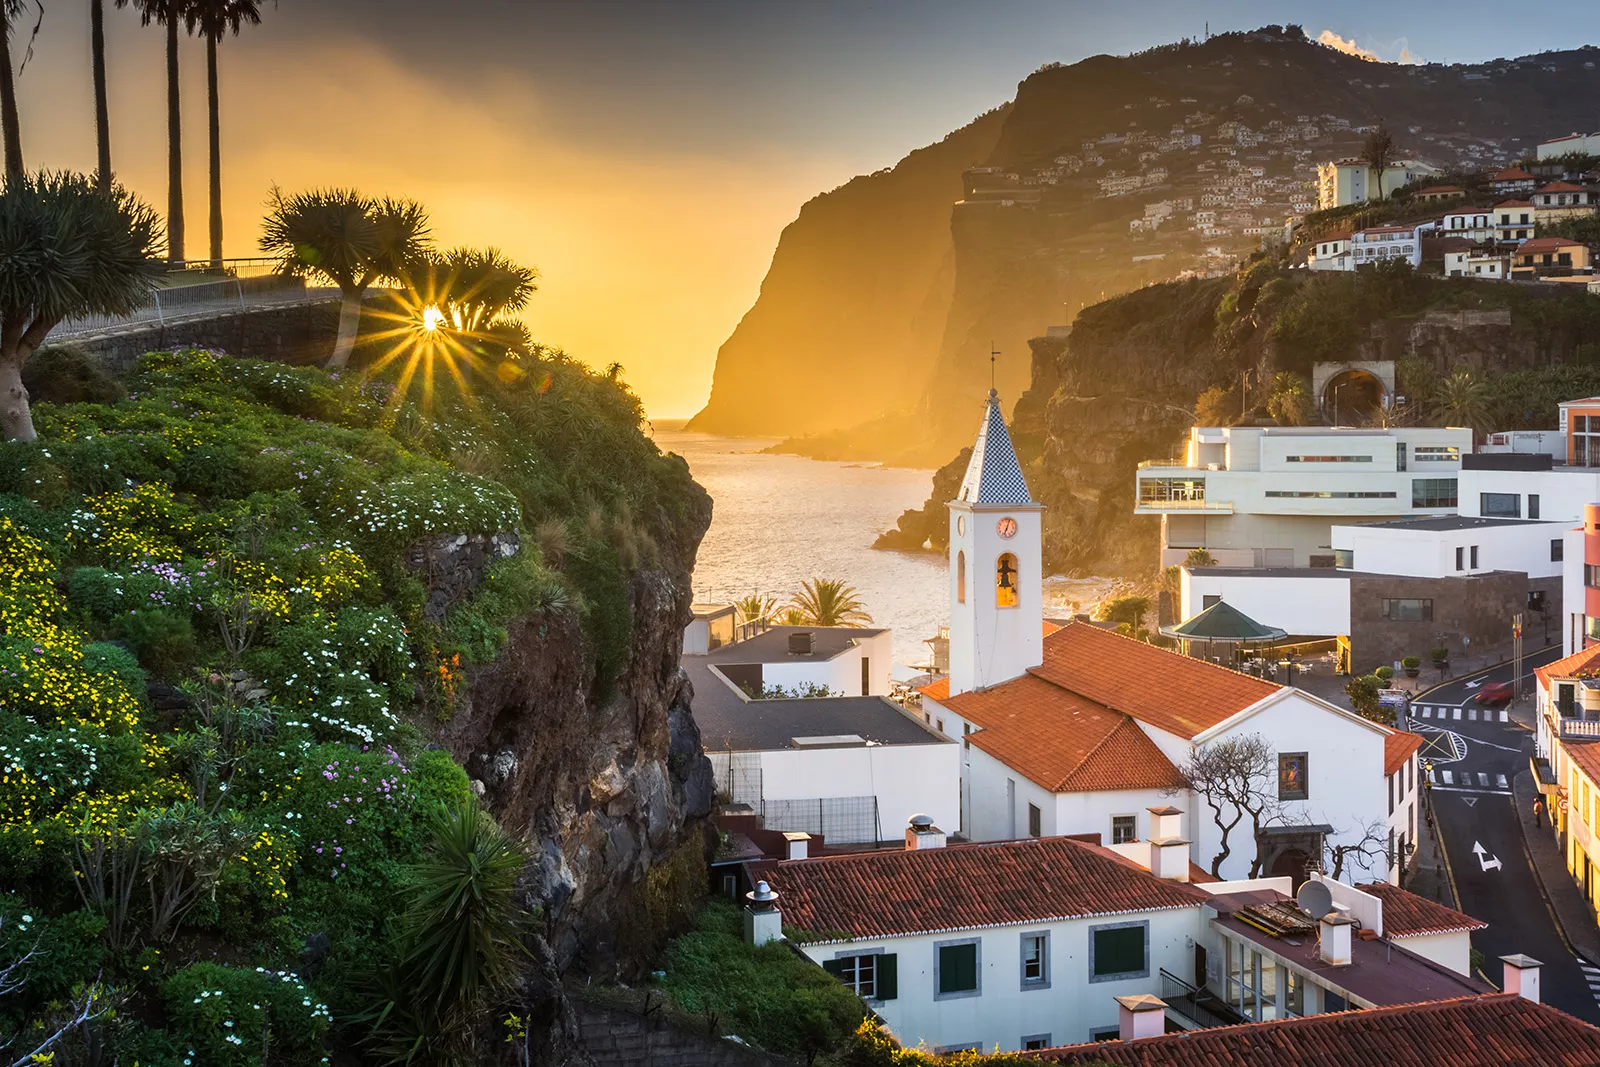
(289, 333)
(627, 1039)
(1471, 616)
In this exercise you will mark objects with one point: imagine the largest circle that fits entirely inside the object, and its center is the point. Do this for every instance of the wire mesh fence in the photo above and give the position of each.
(196, 292)
(842, 820)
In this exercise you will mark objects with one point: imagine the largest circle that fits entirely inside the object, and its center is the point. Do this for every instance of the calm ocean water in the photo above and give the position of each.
(780, 520)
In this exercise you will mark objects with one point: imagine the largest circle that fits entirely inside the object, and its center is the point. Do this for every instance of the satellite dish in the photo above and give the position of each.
(1315, 899)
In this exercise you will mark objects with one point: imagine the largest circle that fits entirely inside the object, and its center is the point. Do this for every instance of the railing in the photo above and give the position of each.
(1179, 464)
(1199, 504)
(177, 301)
(1205, 1008)
(1580, 727)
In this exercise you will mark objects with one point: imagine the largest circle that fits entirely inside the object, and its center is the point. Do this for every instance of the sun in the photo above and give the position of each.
(432, 318)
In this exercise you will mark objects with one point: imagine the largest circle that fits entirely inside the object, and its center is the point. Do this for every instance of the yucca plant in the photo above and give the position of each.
(460, 941)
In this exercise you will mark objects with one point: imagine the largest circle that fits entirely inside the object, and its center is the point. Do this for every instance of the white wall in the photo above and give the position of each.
(1573, 601)
(991, 644)
(906, 779)
(998, 811)
(1298, 605)
(1421, 553)
(1562, 492)
(842, 673)
(1452, 950)
(1069, 1010)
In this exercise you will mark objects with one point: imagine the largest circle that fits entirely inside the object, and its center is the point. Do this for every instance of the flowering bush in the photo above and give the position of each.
(245, 1017)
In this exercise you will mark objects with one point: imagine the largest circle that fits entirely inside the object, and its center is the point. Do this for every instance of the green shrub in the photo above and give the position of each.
(163, 641)
(1384, 673)
(1411, 663)
(68, 374)
(241, 1017)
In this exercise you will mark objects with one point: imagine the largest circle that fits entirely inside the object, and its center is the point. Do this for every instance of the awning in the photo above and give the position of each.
(1223, 622)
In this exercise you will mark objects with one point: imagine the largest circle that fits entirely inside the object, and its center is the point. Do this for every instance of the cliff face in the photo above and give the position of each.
(1036, 233)
(851, 311)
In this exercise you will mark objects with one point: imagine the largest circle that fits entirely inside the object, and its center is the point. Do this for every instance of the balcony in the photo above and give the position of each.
(1202, 505)
(1580, 729)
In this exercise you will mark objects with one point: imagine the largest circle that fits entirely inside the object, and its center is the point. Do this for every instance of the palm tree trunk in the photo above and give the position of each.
(349, 326)
(102, 117)
(174, 150)
(8, 102)
(16, 418)
(216, 152)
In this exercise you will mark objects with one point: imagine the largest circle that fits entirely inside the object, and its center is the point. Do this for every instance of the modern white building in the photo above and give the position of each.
(1351, 181)
(1028, 944)
(1255, 496)
(1586, 143)
(1376, 244)
(1475, 224)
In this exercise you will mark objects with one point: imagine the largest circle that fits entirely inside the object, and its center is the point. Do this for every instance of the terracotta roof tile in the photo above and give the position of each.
(937, 690)
(1586, 754)
(1178, 694)
(1514, 203)
(1398, 747)
(1569, 667)
(1493, 1030)
(1559, 187)
(1062, 741)
(1512, 174)
(1539, 244)
(1407, 915)
(965, 887)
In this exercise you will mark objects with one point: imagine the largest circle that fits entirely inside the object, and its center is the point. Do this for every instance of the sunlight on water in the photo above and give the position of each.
(779, 520)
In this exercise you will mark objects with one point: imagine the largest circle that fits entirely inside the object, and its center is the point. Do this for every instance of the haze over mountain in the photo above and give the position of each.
(875, 323)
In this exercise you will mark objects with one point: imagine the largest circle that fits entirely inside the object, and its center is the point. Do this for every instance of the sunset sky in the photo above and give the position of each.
(644, 156)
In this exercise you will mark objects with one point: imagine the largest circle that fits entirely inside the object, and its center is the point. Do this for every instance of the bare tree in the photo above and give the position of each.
(1234, 778)
(1372, 845)
(1378, 153)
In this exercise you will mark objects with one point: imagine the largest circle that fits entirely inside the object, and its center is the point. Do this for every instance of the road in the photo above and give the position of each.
(1475, 752)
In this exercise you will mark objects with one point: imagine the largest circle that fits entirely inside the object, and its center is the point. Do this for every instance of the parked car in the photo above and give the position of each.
(1496, 693)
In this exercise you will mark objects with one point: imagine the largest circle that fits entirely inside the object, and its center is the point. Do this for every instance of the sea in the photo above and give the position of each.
(779, 520)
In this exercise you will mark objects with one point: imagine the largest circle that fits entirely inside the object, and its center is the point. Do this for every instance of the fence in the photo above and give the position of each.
(741, 778)
(843, 820)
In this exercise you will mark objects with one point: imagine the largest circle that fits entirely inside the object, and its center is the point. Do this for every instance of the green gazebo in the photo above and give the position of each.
(1222, 623)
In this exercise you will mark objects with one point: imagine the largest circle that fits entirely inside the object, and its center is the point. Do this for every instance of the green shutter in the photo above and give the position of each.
(958, 968)
(1119, 951)
(888, 976)
(833, 967)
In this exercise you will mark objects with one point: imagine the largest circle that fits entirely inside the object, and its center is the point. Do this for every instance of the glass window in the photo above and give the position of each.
(1557, 550)
(1344, 558)
(1500, 505)
(1118, 951)
(871, 976)
(1408, 610)
(1474, 556)
(1399, 455)
(1433, 492)
(1208, 600)
(1533, 505)
(1293, 772)
(1591, 575)
(1035, 1042)
(1328, 459)
(1461, 562)
(1035, 960)
(955, 969)
(1436, 453)
(1123, 829)
(1035, 818)
(1303, 494)
(1172, 490)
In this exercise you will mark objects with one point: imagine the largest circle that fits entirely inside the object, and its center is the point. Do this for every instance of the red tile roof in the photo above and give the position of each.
(1572, 666)
(1586, 754)
(965, 887)
(1062, 741)
(1181, 695)
(1398, 747)
(1514, 203)
(937, 690)
(1512, 174)
(1540, 244)
(1407, 915)
(1559, 187)
(1439, 189)
(1493, 1030)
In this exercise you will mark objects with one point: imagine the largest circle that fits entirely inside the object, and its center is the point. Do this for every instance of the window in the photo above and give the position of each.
(1328, 459)
(870, 975)
(1436, 453)
(1591, 575)
(1500, 505)
(1005, 581)
(1399, 455)
(1533, 505)
(866, 676)
(955, 969)
(1293, 772)
(1036, 960)
(1391, 793)
(961, 577)
(1306, 494)
(1124, 828)
(1404, 609)
(1034, 1042)
(1557, 550)
(1473, 554)
(1433, 492)
(1118, 951)
(1112, 1034)
(1461, 562)
(1344, 558)
(1172, 490)
(1566, 698)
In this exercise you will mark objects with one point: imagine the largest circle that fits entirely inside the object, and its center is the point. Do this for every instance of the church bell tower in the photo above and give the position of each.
(996, 586)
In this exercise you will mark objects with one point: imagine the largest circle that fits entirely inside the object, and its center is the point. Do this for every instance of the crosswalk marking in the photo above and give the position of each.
(1427, 713)
(1500, 780)
(1472, 714)
(1505, 716)
(1591, 974)
(1483, 779)
(1473, 790)
(1449, 778)
(1457, 715)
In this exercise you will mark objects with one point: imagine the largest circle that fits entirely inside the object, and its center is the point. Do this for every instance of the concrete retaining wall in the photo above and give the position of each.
(624, 1039)
(289, 333)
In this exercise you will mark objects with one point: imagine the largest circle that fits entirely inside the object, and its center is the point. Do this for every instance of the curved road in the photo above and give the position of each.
(1475, 753)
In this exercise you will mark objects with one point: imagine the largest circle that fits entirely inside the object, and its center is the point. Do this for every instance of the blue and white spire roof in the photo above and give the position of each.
(994, 476)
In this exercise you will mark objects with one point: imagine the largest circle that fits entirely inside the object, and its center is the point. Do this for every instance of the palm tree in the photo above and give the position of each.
(10, 125)
(1377, 152)
(828, 602)
(348, 238)
(756, 609)
(170, 13)
(66, 248)
(1461, 399)
(213, 19)
(474, 289)
(102, 115)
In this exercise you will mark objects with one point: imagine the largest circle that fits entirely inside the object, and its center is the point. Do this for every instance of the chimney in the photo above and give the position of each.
(1166, 821)
(1336, 928)
(1141, 1016)
(921, 833)
(1169, 851)
(763, 921)
(1521, 976)
(799, 843)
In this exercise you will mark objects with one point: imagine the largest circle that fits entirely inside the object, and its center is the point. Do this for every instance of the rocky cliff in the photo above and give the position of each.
(1051, 219)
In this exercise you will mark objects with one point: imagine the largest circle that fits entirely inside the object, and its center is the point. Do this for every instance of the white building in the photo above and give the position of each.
(1256, 496)
(1475, 224)
(1513, 221)
(1488, 265)
(1351, 181)
(1586, 143)
(1025, 945)
(1332, 253)
(1378, 243)
(849, 766)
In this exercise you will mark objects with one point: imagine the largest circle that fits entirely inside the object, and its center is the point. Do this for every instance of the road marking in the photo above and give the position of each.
(1472, 714)
(1470, 802)
(1485, 861)
(1472, 789)
(1457, 715)
(1591, 974)
(1505, 716)
(1427, 713)
(1474, 685)
(1449, 778)
(1483, 779)
(1500, 780)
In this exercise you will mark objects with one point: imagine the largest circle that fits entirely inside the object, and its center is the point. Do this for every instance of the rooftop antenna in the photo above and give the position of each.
(994, 353)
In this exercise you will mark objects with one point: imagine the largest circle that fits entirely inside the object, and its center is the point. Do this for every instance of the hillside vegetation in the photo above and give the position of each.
(220, 679)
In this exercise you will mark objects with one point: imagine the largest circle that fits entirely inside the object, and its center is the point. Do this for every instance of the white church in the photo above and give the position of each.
(1074, 729)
